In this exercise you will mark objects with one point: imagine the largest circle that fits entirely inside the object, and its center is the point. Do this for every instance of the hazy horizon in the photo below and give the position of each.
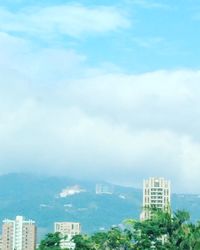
(106, 90)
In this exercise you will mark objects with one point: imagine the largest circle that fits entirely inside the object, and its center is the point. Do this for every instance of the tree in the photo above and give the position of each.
(162, 231)
(51, 242)
(83, 242)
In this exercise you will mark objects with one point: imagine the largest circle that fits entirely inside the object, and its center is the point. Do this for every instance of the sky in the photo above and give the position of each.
(101, 90)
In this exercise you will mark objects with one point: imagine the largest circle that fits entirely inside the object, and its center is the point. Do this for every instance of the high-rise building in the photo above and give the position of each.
(156, 194)
(19, 234)
(68, 230)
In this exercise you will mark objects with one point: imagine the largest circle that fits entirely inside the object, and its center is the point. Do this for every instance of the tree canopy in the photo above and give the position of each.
(162, 231)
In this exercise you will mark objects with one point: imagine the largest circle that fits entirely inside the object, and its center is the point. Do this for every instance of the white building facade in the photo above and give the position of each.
(156, 194)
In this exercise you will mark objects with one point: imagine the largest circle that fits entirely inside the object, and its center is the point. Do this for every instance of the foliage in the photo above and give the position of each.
(51, 242)
(162, 231)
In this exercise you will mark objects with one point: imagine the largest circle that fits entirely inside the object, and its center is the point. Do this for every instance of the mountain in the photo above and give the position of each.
(50, 199)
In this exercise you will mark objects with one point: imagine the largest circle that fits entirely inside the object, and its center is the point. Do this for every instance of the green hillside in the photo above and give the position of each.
(38, 198)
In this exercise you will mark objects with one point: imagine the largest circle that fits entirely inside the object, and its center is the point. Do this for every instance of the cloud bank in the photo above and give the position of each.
(59, 115)
(120, 127)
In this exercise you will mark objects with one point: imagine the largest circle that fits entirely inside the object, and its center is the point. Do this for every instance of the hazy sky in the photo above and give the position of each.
(101, 89)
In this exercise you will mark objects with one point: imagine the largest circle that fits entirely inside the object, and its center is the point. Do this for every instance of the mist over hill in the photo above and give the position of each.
(49, 199)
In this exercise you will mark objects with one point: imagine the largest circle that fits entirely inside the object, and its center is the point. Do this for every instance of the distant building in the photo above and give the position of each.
(18, 234)
(104, 189)
(156, 194)
(68, 230)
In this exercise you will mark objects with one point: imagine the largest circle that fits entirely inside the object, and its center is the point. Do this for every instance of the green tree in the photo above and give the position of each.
(51, 242)
(118, 239)
(83, 242)
(162, 231)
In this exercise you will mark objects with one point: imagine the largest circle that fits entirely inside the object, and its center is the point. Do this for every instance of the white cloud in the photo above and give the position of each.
(62, 140)
(56, 118)
(71, 20)
(21, 61)
(157, 91)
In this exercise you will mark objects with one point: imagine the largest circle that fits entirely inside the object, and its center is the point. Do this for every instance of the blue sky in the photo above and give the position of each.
(101, 89)
(158, 35)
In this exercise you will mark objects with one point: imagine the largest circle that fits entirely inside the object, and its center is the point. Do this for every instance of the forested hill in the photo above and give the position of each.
(50, 199)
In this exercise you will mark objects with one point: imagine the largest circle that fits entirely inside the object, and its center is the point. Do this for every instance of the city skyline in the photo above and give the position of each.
(21, 234)
(106, 90)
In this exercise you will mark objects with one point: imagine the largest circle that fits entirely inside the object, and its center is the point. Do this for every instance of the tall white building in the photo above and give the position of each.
(68, 230)
(18, 234)
(156, 194)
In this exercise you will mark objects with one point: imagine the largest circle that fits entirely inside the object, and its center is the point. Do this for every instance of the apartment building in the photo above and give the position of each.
(18, 234)
(156, 194)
